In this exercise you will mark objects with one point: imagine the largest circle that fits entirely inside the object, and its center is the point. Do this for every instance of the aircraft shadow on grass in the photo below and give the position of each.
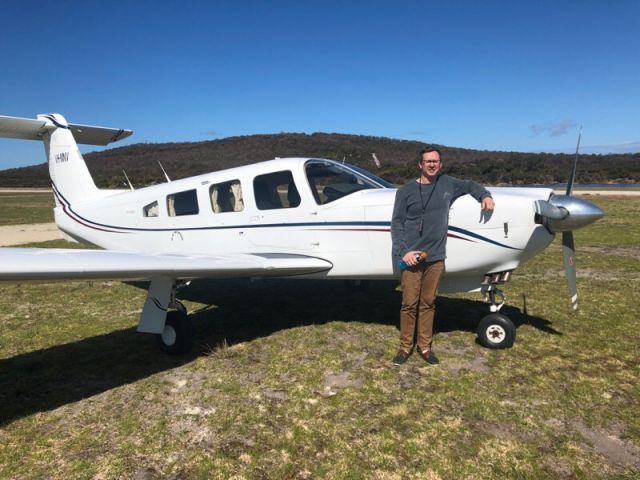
(238, 311)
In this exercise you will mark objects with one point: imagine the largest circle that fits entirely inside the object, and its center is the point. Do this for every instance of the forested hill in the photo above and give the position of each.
(397, 157)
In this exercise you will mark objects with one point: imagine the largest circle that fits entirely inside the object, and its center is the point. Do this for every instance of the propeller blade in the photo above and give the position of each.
(549, 210)
(568, 255)
(572, 177)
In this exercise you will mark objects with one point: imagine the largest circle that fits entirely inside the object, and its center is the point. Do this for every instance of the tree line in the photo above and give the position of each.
(397, 158)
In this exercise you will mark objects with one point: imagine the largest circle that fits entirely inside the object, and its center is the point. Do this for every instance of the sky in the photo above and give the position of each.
(490, 75)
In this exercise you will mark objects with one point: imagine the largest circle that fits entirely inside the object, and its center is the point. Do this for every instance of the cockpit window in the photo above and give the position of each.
(330, 181)
(371, 176)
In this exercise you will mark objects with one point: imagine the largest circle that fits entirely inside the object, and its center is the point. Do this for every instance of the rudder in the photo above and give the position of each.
(68, 171)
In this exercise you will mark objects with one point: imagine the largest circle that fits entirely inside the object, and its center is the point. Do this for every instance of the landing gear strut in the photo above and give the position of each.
(164, 316)
(495, 330)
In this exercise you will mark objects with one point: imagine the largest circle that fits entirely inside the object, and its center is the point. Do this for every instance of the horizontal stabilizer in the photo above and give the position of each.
(67, 264)
(88, 135)
(32, 129)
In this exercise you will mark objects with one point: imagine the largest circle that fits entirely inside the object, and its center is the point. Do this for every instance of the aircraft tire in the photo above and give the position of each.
(178, 333)
(496, 331)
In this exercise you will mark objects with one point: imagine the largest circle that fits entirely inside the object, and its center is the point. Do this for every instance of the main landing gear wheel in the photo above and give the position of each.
(496, 331)
(178, 333)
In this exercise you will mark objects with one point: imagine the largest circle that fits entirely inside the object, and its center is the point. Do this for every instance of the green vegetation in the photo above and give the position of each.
(293, 379)
(28, 207)
(398, 158)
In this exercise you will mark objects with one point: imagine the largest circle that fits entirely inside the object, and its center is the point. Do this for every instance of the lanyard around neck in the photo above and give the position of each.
(423, 204)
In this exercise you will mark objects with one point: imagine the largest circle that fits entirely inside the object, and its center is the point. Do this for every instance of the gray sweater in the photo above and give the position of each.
(409, 215)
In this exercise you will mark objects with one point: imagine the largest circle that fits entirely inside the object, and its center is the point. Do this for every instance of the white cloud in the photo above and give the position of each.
(554, 129)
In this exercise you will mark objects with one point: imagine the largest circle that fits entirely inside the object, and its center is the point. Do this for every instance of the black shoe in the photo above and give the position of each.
(400, 357)
(429, 357)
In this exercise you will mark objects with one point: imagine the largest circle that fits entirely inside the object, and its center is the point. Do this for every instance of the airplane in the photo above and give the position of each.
(286, 217)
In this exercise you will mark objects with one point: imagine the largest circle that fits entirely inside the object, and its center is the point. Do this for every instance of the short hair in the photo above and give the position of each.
(429, 149)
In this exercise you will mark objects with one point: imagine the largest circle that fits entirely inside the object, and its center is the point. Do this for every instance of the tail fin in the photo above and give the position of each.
(67, 169)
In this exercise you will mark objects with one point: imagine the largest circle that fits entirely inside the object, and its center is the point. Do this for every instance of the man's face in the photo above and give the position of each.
(430, 164)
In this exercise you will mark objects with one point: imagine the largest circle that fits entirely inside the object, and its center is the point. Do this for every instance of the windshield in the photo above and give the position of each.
(384, 183)
(330, 181)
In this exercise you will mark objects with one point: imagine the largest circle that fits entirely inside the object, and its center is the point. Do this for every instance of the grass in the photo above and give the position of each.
(29, 207)
(292, 379)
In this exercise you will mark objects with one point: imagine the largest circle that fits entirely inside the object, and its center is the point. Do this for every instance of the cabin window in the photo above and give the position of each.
(226, 197)
(276, 190)
(150, 210)
(330, 181)
(182, 203)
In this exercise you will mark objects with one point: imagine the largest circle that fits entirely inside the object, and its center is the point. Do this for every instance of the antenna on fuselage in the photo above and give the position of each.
(375, 160)
(128, 181)
(165, 173)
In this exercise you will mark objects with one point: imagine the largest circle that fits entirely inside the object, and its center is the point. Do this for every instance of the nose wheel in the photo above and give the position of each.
(496, 330)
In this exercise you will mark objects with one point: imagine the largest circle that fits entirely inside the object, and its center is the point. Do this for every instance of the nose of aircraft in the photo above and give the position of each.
(576, 213)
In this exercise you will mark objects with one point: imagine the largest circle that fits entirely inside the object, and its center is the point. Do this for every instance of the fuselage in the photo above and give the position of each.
(304, 206)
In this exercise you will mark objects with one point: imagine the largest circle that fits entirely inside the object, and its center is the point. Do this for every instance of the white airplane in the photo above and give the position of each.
(306, 217)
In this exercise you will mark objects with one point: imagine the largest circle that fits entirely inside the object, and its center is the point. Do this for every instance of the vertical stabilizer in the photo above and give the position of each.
(67, 169)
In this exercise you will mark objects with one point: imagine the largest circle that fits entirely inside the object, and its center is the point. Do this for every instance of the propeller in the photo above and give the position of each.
(568, 256)
(564, 213)
(568, 248)
(572, 177)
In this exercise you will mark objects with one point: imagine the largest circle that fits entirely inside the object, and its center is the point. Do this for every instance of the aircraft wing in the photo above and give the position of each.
(67, 264)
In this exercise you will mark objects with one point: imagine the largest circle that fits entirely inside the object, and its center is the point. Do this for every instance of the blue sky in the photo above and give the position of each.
(489, 75)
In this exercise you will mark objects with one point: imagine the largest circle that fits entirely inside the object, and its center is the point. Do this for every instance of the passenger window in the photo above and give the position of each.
(182, 203)
(276, 190)
(150, 210)
(226, 197)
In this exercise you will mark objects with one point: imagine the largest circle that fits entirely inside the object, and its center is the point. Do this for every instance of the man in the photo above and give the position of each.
(419, 224)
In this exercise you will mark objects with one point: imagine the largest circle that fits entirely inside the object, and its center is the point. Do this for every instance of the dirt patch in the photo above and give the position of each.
(609, 445)
(477, 363)
(26, 190)
(21, 234)
(629, 251)
(277, 395)
(605, 193)
(588, 273)
(500, 430)
(336, 381)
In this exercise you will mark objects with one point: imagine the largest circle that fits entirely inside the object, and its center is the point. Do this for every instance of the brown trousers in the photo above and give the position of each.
(419, 286)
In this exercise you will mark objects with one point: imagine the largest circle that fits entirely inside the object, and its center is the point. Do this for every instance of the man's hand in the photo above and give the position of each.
(488, 203)
(410, 258)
